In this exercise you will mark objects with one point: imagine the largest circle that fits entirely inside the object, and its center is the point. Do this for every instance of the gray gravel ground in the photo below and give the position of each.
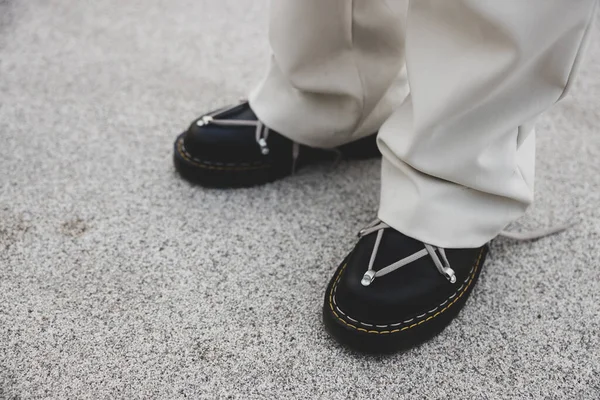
(119, 280)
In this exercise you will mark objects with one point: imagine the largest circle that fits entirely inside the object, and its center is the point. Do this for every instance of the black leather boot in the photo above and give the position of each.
(393, 292)
(231, 148)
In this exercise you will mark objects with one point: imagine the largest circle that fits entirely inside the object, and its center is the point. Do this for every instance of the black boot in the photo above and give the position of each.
(231, 148)
(393, 292)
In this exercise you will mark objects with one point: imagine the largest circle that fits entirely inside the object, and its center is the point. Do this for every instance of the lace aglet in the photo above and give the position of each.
(264, 149)
(207, 119)
(450, 275)
(368, 278)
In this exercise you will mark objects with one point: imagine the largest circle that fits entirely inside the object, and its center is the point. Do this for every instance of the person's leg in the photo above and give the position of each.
(458, 161)
(334, 79)
(332, 66)
(459, 153)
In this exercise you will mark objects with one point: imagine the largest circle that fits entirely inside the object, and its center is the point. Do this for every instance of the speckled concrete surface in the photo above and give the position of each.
(119, 280)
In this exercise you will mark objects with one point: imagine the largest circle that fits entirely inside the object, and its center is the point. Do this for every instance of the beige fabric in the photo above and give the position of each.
(335, 74)
(459, 151)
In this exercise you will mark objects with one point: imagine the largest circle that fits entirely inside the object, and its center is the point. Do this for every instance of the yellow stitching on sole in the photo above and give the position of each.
(333, 287)
(188, 158)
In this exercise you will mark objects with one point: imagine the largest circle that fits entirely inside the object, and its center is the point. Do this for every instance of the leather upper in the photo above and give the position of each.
(234, 144)
(403, 294)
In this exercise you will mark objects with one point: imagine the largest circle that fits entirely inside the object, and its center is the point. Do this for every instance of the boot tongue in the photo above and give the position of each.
(241, 111)
(395, 246)
(246, 113)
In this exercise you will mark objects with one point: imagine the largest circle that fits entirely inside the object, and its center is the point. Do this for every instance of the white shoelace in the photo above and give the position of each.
(261, 130)
(441, 263)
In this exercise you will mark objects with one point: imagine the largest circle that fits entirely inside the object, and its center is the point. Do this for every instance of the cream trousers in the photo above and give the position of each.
(459, 149)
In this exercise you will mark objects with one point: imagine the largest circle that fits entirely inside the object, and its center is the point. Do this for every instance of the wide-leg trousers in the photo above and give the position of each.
(459, 149)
